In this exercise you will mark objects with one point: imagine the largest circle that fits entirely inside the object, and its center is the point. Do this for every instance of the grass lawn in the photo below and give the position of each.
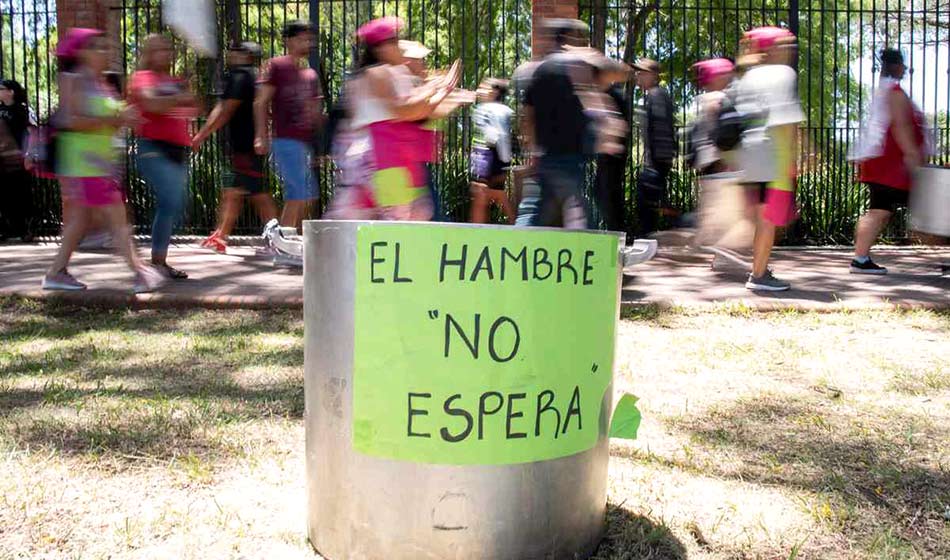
(179, 435)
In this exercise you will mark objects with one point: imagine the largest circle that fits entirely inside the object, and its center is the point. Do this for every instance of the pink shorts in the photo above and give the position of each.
(93, 191)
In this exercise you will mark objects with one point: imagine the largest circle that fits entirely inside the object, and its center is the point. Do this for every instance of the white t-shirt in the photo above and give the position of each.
(493, 127)
(768, 95)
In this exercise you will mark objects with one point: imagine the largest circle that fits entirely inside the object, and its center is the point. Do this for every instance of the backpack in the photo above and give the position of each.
(731, 125)
(42, 148)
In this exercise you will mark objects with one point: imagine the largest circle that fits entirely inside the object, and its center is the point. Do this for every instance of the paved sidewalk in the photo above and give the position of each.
(677, 277)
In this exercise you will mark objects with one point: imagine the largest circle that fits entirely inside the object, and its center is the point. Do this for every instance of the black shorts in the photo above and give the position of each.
(487, 167)
(246, 174)
(887, 198)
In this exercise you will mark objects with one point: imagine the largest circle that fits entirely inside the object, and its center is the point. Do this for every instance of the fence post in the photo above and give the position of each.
(793, 26)
(232, 18)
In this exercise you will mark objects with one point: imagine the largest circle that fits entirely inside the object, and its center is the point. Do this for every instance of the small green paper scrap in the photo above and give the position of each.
(626, 420)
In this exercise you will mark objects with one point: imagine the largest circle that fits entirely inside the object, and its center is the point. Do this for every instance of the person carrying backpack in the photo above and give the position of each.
(767, 100)
(714, 76)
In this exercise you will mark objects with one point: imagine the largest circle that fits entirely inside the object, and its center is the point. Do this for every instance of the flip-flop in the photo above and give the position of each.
(170, 272)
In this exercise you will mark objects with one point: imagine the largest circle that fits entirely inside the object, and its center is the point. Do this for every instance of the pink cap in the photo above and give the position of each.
(709, 70)
(76, 40)
(764, 38)
(380, 30)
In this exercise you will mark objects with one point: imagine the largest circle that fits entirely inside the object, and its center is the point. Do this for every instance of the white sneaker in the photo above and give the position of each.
(148, 280)
(63, 281)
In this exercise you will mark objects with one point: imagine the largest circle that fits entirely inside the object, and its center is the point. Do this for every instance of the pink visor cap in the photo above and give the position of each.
(75, 40)
(380, 30)
(764, 38)
(709, 70)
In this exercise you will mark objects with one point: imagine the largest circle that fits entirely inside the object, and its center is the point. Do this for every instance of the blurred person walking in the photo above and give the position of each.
(430, 129)
(245, 178)
(556, 34)
(659, 146)
(90, 116)
(291, 98)
(387, 108)
(491, 154)
(613, 152)
(164, 143)
(767, 94)
(713, 76)
(893, 146)
(16, 125)
(556, 127)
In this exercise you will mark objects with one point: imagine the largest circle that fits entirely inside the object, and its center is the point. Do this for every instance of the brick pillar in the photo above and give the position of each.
(94, 14)
(541, 9)
(82, 13)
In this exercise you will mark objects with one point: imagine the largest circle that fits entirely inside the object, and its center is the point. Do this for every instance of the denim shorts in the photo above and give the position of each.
(293, 161)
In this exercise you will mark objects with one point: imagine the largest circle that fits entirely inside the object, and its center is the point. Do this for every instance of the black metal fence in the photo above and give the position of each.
(837, 71)
(491, 37)
(27, 42)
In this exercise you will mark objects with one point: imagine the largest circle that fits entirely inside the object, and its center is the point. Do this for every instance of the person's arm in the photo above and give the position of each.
(900, 109)
(423, 100)
(151, 102)
(262, 101)
(220, 116)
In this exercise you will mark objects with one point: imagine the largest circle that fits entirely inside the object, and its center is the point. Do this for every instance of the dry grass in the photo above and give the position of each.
(179, 435)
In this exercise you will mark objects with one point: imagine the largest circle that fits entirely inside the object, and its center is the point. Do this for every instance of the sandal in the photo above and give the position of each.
(170, 272)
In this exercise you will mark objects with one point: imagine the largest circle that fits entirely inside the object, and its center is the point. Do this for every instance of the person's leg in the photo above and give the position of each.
(265, 206)
(293, 213)
(231, 201)
(293, 159)
(119, 228)
(869, 228)
(529, 200)
(647, 202)
(616, 216)
(168, 181)
(762, 244)
(500, 198)
(602, 197)
(479, 214)
(73, 230)
(23, 208)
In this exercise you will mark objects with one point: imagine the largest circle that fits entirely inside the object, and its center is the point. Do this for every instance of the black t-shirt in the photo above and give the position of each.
(240, 85)
(560, 126)
(621, 104)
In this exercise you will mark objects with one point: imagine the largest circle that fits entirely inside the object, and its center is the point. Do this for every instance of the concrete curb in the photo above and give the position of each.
(781, 307)
(107, 299)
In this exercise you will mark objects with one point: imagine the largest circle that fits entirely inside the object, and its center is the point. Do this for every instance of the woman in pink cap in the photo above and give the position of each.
(385, 108)
(767, 156)
(89, 118)
(713, 76)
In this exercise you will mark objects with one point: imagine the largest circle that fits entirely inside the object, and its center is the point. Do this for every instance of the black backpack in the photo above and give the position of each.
(730, 125)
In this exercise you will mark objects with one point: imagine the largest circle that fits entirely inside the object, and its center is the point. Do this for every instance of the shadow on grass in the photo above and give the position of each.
(79, 394)
(876, 472)
(22, 319)
(630, 536)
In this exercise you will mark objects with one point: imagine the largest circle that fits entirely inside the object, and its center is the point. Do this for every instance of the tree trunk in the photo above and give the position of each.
(598, 28)
(636, 27)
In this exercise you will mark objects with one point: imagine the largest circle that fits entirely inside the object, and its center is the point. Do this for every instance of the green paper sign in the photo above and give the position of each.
(485, 346)
(625, 423)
